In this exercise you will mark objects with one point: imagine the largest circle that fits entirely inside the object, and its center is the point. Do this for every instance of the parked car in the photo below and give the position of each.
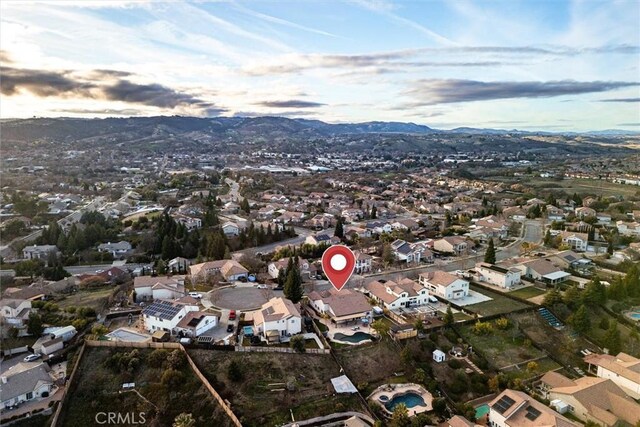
(232, 315)
(195, 295)
(261, 286)
(230, 327)
(31, 357)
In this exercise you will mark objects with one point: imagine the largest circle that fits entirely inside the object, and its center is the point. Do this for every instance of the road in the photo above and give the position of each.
(294, 241)
(93, 269)
(234, 189)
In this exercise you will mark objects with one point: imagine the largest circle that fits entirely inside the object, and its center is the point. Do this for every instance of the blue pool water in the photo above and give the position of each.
(409, 399)
(355, 338)
(481, 411)
(635, 315)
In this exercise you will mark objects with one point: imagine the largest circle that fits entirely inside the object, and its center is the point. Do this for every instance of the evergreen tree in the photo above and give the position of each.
(448, 317)
(244, 205)
(490, 255)
(282, 277)
(612, 340)
(339, 231)
(595, 293)
(580, 320)
(571, 297)
(293, 284)
(374, 212)
(552, 298)
(548, 239)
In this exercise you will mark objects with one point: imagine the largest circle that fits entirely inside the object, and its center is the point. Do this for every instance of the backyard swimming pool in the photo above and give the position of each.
(634, 314)
(355, 338)
(481, 411)
(410, 400)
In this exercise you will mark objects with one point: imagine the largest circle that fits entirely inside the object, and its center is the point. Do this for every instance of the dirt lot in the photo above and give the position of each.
(274, 383)
(94, 298)
(97, 388)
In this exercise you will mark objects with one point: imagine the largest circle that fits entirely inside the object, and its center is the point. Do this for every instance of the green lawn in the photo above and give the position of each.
(528, 292)
(499, 304)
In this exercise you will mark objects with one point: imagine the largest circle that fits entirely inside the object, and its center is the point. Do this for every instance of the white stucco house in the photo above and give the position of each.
(394, 295)
(623, 369)
(163, 315)
(505, 278)
(160, 287)
(277, 318)
(25, 381)
(445, 285)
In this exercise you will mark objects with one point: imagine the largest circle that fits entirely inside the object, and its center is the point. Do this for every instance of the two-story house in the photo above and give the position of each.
(394, 295)
(445, 285)
(277, 318)
(499, 276)
(163, 315)
(452, 244)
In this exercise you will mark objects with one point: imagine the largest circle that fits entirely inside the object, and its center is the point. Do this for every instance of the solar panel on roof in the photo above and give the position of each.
(503, 404)
(570, 257)
(532, 413)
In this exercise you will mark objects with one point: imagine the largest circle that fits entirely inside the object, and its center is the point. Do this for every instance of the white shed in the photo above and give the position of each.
(438, 356)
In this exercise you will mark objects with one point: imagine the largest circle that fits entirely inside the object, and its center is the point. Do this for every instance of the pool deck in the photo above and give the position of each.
(392, 390)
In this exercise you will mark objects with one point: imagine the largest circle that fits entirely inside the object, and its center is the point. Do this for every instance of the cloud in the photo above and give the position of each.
(105, 111)
(42, 83)
(621, 100)
(69, 84)
(628, 124)
(5, 57)
(292, 103)
(444, 91)
(289, 114)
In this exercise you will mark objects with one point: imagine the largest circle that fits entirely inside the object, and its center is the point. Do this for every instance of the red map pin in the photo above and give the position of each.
(338, 263)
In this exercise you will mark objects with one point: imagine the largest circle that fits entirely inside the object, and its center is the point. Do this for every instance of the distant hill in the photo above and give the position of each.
(229, 134)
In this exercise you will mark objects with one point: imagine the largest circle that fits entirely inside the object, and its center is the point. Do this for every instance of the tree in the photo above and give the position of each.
(34, 324)
(595, 293)
(184, 420)
(374, 212)
(339, 231)
(400, 416)
(612, 340)
(490, 255)
(552, 298)
(297, 343)
(580, 320)
(244, 205)
(571, 296)
(293, 284)
(387, 254)
(548, 239)
(381, 327)
(448, 317)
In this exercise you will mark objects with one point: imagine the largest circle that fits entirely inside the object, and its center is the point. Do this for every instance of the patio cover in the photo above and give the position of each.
(343, 384)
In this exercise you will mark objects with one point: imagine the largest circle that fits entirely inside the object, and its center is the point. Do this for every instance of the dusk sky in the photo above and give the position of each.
(548, 65)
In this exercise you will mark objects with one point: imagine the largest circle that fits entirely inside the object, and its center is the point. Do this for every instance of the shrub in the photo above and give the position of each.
(503, 323)
(235, 371)
(156, 358)
(454, 364)
(482, 328)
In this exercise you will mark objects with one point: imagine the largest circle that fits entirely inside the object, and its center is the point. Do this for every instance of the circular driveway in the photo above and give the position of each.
(241, 298)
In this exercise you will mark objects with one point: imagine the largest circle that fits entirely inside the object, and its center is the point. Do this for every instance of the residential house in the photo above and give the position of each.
(161, 287)
(352, 214)
(277, 318)
(623, 369)
(289, 217)
(405, 252)
(24, 382)
(584, 212)
(515, 213)
(378, 227)
(445, 285)
(395, 295)
(39, 251)
(598, 400)
(570, 259)
(577, 241)
(513, 408)
(307, 269)
(543, 270)
(363, 262)
(457, 420)
(322, 238)
(491, 227)
(231, 270)
(230, 228)
(628, 228)
(163, 315)
(341, 306)
(320, 221)
(179, 265)
(502, 277)
(15, 312)
(191, 223)
(452, 244)
(405, 224)
(353, 230)
(196, 323)
(116, 249)
(555, 214)
(603, 218)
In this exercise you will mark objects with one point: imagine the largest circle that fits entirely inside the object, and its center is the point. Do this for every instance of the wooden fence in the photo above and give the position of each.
(166, 345)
